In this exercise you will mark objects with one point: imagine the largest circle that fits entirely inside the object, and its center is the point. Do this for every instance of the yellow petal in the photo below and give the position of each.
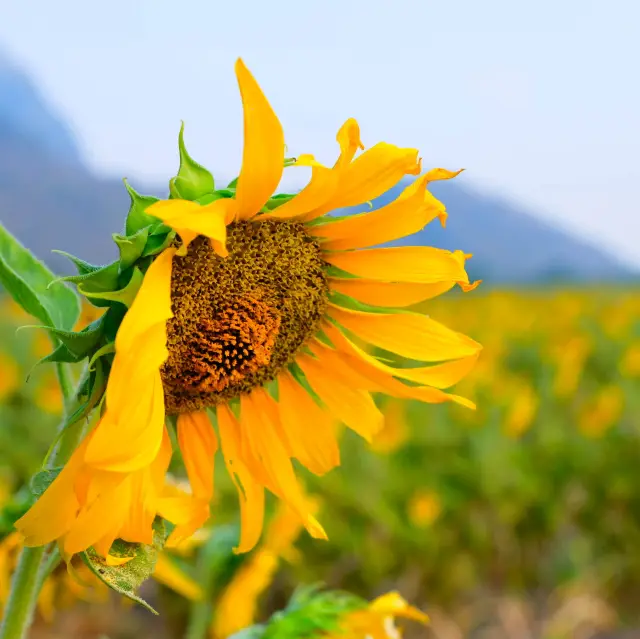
(190, 219)
(169, 574)
(407, 334)
(388, 294)
(348, 138)
(105, 514)
(372, 174)
(393, 604)
(321, 187)
(404, 216)
(263, 155)
(55, 511)
(267, 450)
(198, 444)
(324, 181)
(349, 404)
(419, 264)
(250, 492)
(152, 304)
(129, 437)
(308, 428)
(438, 375)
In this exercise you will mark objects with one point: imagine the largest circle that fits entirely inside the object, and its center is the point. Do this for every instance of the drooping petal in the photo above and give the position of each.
(263, 155)
(418, 264)
(198, 444)
(363, 373)
(105, 514)
(437, 375)
(407, 334)
(308, 428)
(404, 216)
(267, 451)
(250, 492)
(388, 294)
(190, 219)
(129, 438)
(349, 404)
(55, 511)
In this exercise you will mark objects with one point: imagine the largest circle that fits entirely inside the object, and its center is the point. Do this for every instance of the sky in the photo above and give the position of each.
(539, 101)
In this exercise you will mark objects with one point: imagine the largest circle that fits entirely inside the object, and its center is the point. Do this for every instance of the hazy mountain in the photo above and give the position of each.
(49, 199)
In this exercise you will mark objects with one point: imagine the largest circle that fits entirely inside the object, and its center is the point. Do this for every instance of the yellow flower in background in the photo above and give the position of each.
(630, 364)
(603, 412)
(395, 430)
(378, 620)
(424, 508)
(238, 604)
(570, 358)
(9, 376)
(246, 315)
(522, 410)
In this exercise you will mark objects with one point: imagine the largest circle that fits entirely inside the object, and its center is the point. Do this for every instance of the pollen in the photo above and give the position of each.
(238, 321)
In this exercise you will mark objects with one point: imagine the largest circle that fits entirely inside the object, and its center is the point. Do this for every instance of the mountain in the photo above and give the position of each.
(49, 199)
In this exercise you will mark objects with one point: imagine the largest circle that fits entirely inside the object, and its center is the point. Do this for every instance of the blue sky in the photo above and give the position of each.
(539, 101)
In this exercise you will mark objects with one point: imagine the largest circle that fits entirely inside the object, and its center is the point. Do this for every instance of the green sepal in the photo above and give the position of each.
(107, 349)
(131, 246)
(136, 217)
(60, 355)
(102, 279)
(42, 480)
(125, 295)
(82, 266)
(233, 184)
(31, 284)
(127, 578)
(193, 180)
(13, 509)
(158, 243)
(79, 343)
(95, 388)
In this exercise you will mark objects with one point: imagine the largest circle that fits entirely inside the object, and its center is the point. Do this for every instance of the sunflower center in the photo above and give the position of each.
(238, 321)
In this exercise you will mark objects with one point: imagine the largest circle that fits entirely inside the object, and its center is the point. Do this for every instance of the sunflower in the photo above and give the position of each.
(252, 330)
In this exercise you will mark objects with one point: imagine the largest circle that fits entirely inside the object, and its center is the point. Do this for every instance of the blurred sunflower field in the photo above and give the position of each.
(520, 519)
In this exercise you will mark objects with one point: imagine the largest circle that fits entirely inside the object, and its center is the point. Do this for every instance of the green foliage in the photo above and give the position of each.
(137, 219)
(32, 285)
(128, 577)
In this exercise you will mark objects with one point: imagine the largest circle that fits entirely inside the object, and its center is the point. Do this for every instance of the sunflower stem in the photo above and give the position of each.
(30, 572)
(199, 619)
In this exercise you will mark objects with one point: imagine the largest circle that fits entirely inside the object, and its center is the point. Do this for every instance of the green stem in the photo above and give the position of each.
(24, 594)
(199, 619)
(29, 577)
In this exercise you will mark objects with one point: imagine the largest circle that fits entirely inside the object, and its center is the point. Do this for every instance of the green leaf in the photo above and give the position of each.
(193, 180)
(136, 217)
(131, 246)
(30, 283)
(125, 295)
(233, 184)
(42, 480)
(127, 578)
(252, 632)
